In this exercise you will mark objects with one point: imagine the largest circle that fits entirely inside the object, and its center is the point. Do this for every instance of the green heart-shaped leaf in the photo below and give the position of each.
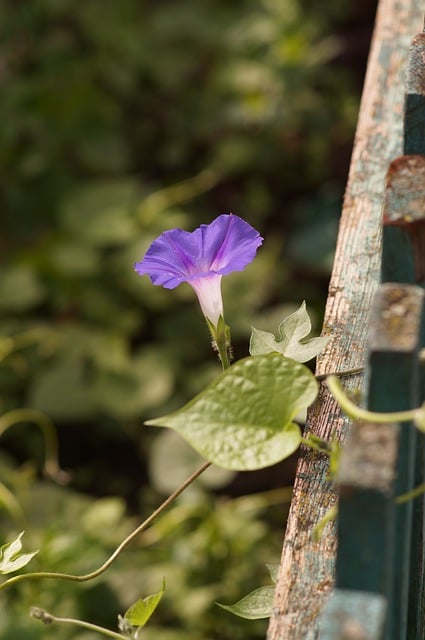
(243, 420)
(140, 612)
(292, 330)
(256, 605)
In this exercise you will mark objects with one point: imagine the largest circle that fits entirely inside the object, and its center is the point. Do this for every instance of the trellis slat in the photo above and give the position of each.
(377, 465)
(403, 260)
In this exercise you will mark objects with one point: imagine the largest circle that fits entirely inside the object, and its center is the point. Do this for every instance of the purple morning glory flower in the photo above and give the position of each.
(201, 258)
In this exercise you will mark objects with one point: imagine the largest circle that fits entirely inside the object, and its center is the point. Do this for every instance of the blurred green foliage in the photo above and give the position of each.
(122, 119)
(200, 545)
(127, 118)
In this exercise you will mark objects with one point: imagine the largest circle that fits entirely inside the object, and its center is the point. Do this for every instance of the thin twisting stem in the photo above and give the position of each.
(48, 618)
(357, 413)
(410, 495)
(97, 572)
(346, 372)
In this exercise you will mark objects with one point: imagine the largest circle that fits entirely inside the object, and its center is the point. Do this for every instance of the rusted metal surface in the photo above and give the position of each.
(377, 465)
(405, 190)
(368, 461)
(403, 258)
(395, 322)
(306, 573)
(395, 342)
(354, 616)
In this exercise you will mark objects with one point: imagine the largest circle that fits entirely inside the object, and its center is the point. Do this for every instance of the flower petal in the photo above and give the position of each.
(227, 244)
(208, 290)
(170, 259)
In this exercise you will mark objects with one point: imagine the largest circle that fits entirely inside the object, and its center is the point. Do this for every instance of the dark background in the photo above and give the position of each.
(120, 120)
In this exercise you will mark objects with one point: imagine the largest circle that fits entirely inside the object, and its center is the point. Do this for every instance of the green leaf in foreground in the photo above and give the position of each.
(243, 420)
(288, 341)
(10, 558)
(140, 612)
(257, 604)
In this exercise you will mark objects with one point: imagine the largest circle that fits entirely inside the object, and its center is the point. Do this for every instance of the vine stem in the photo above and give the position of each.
(97, 572)
(223, 354)
(344, 372)
(220, 334)
(406, 497)
(357, 413)
(48, 618)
